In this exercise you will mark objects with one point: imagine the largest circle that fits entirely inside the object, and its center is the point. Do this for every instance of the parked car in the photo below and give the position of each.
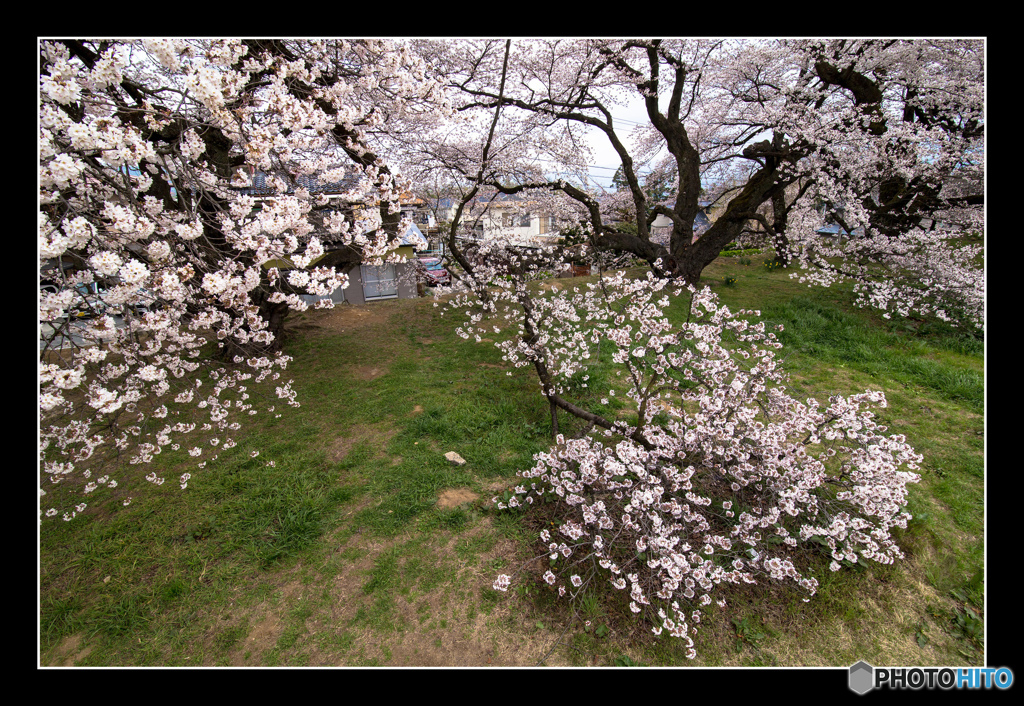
(147, 301)
(48, 288)
(89, 302)
(432, 271)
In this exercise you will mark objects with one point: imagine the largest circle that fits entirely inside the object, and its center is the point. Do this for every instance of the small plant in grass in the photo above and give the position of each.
(730, 281)
(969, 625)
(747, 630)
(919, 634)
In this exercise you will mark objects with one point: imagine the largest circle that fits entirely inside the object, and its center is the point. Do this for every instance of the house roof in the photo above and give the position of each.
(414, 236)
(835, 229)
(497, 200)
(262, 184)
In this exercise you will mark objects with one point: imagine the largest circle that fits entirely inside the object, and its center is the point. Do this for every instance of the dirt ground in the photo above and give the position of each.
(455, 635)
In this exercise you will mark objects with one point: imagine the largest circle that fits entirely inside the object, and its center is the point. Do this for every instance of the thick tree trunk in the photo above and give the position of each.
(275, 315)
(690, 270)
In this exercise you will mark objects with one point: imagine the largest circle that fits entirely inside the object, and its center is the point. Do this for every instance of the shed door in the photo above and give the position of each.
(379, 282)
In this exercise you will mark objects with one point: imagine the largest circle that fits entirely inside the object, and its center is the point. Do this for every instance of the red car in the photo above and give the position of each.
(433, 272)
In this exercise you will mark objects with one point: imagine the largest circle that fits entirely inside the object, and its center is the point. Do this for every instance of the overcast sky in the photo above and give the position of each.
(606, 161)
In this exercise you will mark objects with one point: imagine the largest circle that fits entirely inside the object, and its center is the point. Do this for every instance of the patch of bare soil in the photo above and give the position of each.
(262, 638)
(69, 651)
(368, 372)
(339, 448)
(499, 484)
(342, 318)
(453, 497)
(447, 626)
(439, 630)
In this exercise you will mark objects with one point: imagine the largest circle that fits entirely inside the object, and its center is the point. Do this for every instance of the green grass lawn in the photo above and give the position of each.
(362, 545)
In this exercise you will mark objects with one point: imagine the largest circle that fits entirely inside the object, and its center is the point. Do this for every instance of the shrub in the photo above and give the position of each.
(734, 488)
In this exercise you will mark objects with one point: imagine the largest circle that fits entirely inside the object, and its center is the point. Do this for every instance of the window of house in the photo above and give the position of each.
(379, 282)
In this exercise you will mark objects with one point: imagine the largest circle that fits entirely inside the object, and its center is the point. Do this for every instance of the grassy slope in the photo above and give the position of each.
(341, 553)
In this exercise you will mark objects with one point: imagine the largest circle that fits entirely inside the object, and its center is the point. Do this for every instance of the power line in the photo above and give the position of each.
(642, 171)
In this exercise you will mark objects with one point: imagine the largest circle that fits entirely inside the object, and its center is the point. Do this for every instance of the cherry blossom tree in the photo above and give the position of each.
(147, 147)
(736, 483)
(722, 477)
(882, 137)
(150, 248)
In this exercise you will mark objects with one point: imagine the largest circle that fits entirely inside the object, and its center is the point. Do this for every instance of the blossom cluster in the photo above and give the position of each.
(724, 478)
(150, 250)
(930, 273)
